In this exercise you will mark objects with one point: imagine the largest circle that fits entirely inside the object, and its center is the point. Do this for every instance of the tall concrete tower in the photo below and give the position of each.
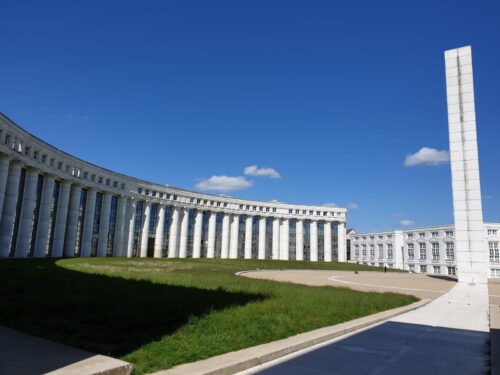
(472, 265)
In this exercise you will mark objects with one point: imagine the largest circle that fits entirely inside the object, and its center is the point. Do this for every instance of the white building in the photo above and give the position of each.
(423, 250)
(53, 204)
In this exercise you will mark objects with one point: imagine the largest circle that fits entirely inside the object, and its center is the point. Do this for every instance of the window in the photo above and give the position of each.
(44, 158)
(85, 175)
(495, 273)
(372, 238)
(423, 251)
(494, 255)
(364, 250)
(52, 161)
(59, 165)
(7, 139)
(389, 237)
(389, 251)
(450, 251)
(411, 267)
(380, 238)
(435, 251)
(411, 251)
(423, 268)
(356, 251)
(452, 271)
(115, 184)
(107, 182)
(27, 150)
(410, 236)
(492, 232)
(434, 234)
(449, 233)
(437, 270)
(92, 178)
(372, 251)
(35, 155)
(99, 180)
(380, 251)
(421, 235)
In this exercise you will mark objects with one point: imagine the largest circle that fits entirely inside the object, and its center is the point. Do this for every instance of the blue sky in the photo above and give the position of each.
(331, 96)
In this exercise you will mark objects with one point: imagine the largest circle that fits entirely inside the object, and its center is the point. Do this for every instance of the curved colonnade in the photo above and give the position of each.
(55, 205)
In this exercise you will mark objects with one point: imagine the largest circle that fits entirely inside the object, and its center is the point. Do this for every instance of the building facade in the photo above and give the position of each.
(423, 250)
(55, 205)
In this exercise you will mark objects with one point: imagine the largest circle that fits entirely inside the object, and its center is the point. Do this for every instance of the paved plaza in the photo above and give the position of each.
(419, 285)
(448, 335)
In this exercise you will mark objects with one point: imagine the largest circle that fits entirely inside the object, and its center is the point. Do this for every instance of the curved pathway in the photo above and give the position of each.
(421, 286)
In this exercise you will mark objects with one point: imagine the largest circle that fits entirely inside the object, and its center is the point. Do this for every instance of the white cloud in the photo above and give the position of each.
(224, 183)
(253, 170)
(406, 222)
(352, 206)
(333, 205)
(427, 156)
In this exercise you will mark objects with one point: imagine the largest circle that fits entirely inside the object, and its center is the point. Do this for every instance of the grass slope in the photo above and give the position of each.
(160, 313)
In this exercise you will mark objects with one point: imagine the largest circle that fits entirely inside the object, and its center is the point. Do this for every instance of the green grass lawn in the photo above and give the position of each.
(158, 313)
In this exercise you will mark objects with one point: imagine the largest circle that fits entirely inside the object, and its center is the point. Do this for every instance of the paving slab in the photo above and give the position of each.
(21, 353)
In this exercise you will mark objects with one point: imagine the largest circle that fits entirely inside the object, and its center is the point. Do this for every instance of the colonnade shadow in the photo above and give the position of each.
(102, 314)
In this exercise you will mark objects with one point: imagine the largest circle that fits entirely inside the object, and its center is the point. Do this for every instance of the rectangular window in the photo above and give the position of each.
(380, 251)
(389, 251)
(435, 251)
(410, 235)
(449, 234)
(423, 251)
(411, 267)
(494, 254)
(356, 251)
(434, 234)
(450, 251)
(495, 273)
(363, 248)
(372, 251)
(492, 232)
(452, 271)
(421, 235)
(437, 270)
(423, 268)
(411, 251)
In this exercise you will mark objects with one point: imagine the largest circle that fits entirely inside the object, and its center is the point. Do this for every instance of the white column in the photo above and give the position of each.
(299, 240)
(145, 230)
(42, 232)
(61, 218)
(248, 237)
(9, 209)
(132, 206)
(121, 215)
(88, 223)
(184, 233)
(159, 232)
(4, 174)
(233, 247)
(173, 235)
(212, 222)
(225, 237)
(327, 235)
(198, 222)
(72, 221)
(262, 238)
(471, 256)
(276, 238)
(26, 215)
(314, 241)
(342, 252)
(284, 239)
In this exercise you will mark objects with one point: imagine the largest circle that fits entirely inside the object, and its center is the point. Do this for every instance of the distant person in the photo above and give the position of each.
(385, 269)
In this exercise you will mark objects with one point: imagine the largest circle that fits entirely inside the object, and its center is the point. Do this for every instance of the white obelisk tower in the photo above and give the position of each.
(472, 265)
